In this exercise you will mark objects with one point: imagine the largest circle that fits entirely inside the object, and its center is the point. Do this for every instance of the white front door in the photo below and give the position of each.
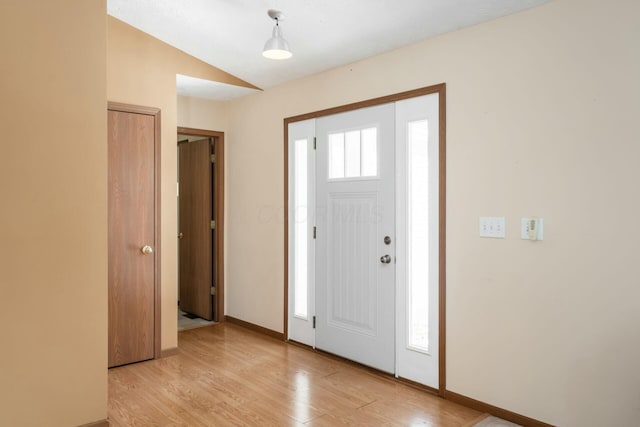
(355, 236)
(370, 189)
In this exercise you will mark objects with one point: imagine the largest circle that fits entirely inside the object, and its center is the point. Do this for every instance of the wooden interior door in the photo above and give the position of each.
(195, 231)
(132, 237)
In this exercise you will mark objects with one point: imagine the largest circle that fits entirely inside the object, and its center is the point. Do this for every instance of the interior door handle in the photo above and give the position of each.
(146, 250)
(385, 259)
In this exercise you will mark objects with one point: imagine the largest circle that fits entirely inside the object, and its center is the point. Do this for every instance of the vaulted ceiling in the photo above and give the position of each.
(322, 34)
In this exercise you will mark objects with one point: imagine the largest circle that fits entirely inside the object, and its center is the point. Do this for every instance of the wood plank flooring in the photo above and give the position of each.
(228, 375)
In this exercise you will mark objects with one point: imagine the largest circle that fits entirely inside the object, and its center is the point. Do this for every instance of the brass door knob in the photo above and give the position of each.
(147, 250)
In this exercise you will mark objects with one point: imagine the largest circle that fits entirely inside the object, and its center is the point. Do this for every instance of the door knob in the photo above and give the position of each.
(146, 250)
(385, 259)
(180, 235)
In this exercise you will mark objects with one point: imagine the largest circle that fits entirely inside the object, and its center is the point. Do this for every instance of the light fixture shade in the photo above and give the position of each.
(276, 47)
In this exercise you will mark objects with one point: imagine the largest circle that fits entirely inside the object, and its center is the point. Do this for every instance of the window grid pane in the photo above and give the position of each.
(336, 155)
(353, 154)
(369, 152)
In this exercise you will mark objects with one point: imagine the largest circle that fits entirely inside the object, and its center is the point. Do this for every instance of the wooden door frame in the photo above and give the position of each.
(155, 112)
(440, 89)
(218, 215)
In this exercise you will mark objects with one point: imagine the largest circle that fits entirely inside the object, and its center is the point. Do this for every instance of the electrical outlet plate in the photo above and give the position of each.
(494, 227)
(524, 229)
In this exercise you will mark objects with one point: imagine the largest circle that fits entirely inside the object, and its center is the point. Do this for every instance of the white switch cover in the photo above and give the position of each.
(492, 227)
(524, 229)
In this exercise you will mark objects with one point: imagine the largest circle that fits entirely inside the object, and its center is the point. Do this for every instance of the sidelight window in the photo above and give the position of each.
(418, 235)
(301, 228)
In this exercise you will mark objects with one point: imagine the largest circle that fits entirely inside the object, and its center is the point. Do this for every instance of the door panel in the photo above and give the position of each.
(355, 211)
(352, 291)
(131, 218)
(196, 213)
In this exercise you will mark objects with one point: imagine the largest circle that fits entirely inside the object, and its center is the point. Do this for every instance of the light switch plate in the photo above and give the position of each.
(494, 227)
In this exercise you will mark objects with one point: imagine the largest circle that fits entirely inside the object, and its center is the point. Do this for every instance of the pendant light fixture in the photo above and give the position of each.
(276, 47)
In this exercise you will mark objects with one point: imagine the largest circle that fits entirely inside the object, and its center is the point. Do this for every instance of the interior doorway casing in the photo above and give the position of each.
(440, 89)
(218, 215)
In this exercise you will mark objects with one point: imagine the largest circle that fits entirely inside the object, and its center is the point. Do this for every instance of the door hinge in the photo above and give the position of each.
(213, 158)
(314, 142)
(314, 322)
(213, 290)
(314, 232)
(213, 224)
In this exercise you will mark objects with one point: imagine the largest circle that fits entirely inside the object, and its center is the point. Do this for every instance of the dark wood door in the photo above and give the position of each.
(196, 213)
(131, 228)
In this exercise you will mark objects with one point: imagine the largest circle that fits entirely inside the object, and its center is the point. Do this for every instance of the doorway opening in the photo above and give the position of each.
(200, 193)
(365, 233)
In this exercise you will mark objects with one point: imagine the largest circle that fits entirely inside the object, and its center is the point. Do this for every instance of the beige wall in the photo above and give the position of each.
(53, 178)
(199, 113)
(142, 70)
(542, 114)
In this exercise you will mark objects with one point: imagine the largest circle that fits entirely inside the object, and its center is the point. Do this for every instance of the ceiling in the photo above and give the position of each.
(322, 34)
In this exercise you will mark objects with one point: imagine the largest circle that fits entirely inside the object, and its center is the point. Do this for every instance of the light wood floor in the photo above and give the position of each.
(227, 375)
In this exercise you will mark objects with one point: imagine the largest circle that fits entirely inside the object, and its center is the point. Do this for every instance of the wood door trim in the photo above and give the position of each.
(218, 214)
(285, 324)
(442, 241)
(156, 113)
(199, 132)
(440, 89)
(129, 108)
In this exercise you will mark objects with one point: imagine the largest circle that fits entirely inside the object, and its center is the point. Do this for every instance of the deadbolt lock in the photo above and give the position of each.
(387, 240)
